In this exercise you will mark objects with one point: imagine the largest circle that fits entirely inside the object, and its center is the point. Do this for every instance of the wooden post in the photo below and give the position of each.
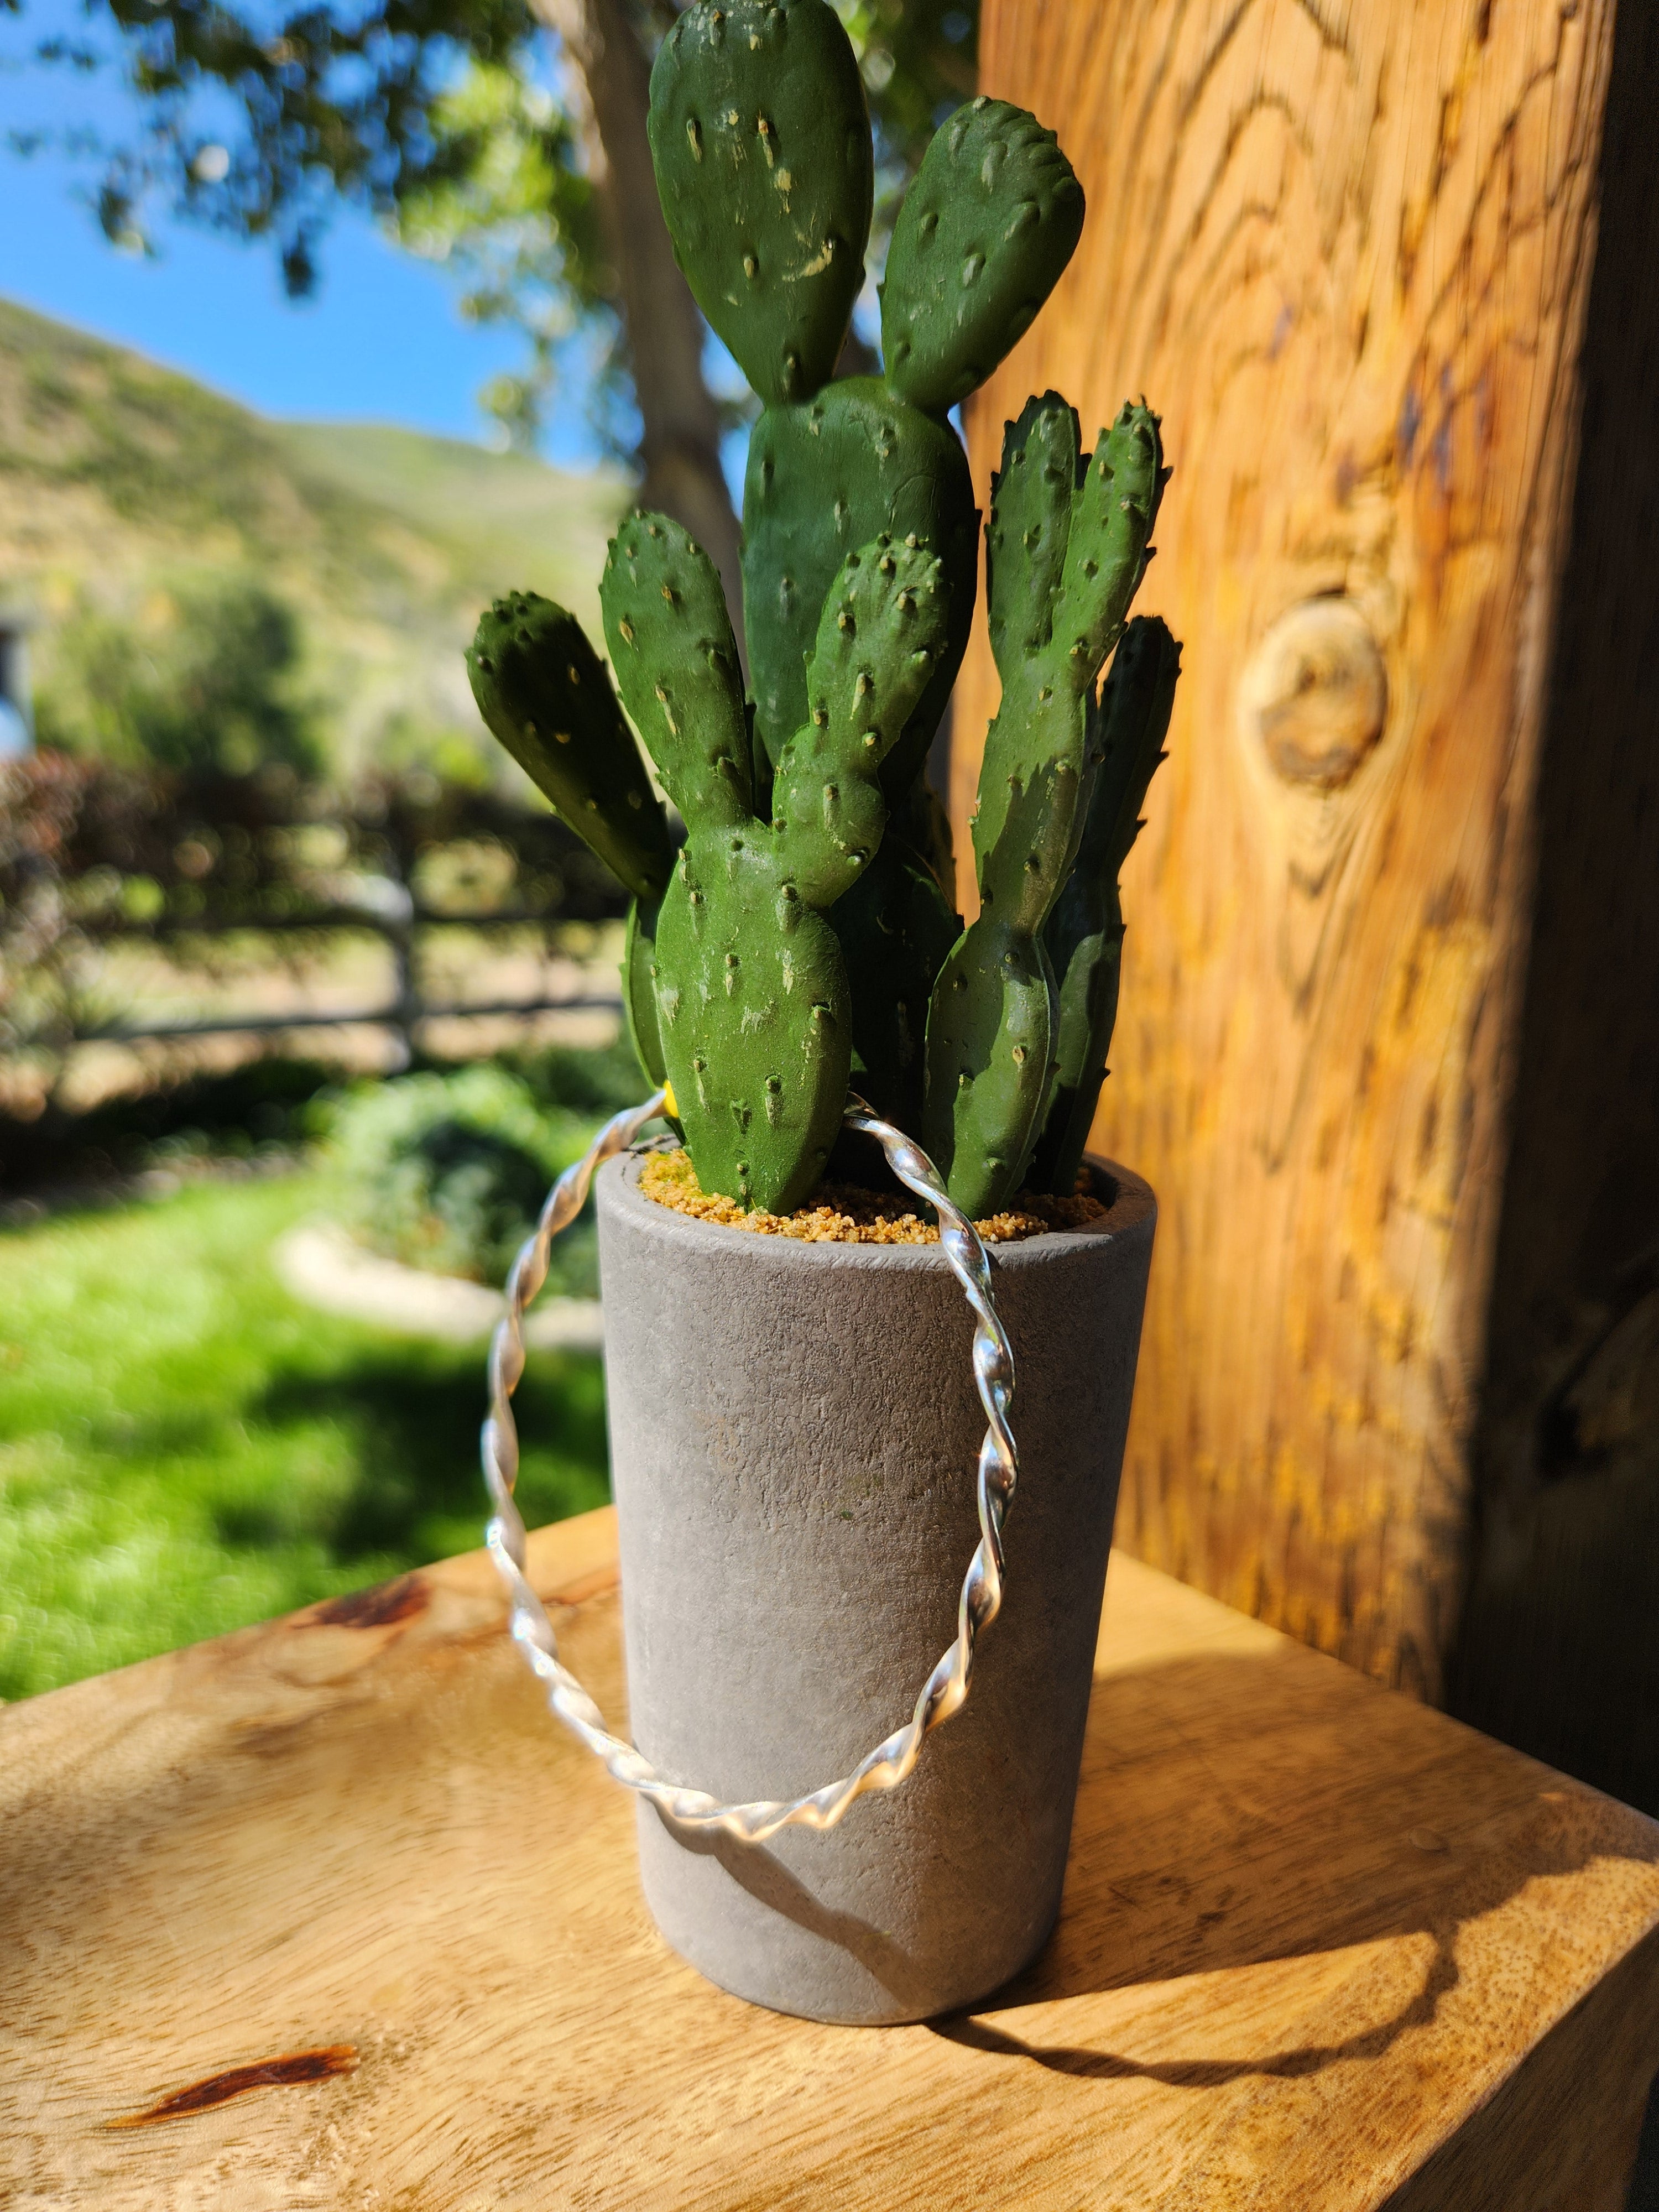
(1389, 1047)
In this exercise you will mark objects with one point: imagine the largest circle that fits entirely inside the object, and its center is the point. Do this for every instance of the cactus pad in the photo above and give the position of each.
(1083, 935)
(1049, 661)
(1067, 550)
(639, 964)
(1030, 523)
(760, 138)
(872, 464)
(676, 667)
(755, 1023)
(880, 634)
(543, 690)
(993, 218)
(989, 1034)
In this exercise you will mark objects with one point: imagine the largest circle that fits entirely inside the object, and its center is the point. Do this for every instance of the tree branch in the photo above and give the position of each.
(679, 450)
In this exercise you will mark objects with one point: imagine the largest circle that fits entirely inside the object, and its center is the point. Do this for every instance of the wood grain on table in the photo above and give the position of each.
(331, 1913)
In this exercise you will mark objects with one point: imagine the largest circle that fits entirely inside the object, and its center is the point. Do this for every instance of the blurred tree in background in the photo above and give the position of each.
(520, 162)
(205, 682)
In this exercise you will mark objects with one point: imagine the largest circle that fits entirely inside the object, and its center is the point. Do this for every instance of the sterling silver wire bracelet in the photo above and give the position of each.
(946, 1688)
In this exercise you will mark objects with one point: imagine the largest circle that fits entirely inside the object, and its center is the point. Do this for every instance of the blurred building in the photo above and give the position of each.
(16, 708)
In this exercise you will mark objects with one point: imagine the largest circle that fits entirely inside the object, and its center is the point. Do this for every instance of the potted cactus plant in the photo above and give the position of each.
(793, 1419)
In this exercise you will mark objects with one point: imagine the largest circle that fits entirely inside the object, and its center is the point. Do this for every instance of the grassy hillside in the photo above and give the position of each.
(119, 477)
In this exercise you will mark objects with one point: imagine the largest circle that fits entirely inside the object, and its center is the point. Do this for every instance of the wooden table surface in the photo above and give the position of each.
(331, 1913)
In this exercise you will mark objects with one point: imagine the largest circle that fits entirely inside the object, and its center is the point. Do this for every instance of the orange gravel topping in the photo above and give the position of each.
(843, 1215)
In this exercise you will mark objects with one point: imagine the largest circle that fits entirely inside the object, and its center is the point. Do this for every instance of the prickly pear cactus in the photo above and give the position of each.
(834, 465)
(807, 930)
(760, 139)
(1065, 552)
(824, 477)
(544, 691)
(751, 993)
(1084, 934)
(993, 218)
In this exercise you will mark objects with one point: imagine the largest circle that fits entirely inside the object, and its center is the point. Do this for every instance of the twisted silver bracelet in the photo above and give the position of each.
(946, 1687)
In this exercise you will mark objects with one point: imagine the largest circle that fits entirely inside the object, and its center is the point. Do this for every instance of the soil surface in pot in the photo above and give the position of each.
(844, 1214)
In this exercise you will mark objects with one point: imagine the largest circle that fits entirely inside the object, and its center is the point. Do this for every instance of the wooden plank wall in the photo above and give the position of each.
(1387, 1056)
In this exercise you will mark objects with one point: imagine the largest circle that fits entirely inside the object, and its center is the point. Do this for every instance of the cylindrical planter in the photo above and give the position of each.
(795, 1431)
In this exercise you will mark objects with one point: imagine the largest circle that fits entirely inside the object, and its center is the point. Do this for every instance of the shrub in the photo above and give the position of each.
(590, 1080)
(206, 684)
(448, 1173)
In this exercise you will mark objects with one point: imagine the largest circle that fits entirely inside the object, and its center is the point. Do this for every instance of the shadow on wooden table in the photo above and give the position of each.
(1235, 1813)
(1231, 1815)
(1323, 1876)
(1083, 2065)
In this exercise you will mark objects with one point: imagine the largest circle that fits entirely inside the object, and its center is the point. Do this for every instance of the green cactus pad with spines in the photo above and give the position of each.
(1083, 935)
(986, 1085)
(823, 478)
(1113, 512)
(753, 1016)
(989, 1039)
(544, 691)
(1086, 952)
(760, 139)
(677, 666)
(1128, 730)
(1031, 522)
(755, 1025)
(986, 229)
(1105, 523)
(639, 966)
(880, 634)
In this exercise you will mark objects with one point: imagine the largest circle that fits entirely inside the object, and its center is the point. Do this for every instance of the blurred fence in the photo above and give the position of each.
(95, 857)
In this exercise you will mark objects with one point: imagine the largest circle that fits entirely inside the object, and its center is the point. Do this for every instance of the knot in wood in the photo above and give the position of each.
(1316, 692)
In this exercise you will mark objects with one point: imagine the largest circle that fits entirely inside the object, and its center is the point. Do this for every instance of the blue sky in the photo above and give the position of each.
(381, 340)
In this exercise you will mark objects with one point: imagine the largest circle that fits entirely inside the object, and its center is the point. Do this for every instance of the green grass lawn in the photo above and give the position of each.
(185, 1448)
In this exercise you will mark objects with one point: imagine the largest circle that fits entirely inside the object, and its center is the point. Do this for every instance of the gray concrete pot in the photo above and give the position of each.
(793, 1435)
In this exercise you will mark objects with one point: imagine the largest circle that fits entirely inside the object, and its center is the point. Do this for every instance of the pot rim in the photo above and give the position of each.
(1131, 1206)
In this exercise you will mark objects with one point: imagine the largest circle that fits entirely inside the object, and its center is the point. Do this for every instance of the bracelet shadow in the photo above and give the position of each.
(1083, 2065)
